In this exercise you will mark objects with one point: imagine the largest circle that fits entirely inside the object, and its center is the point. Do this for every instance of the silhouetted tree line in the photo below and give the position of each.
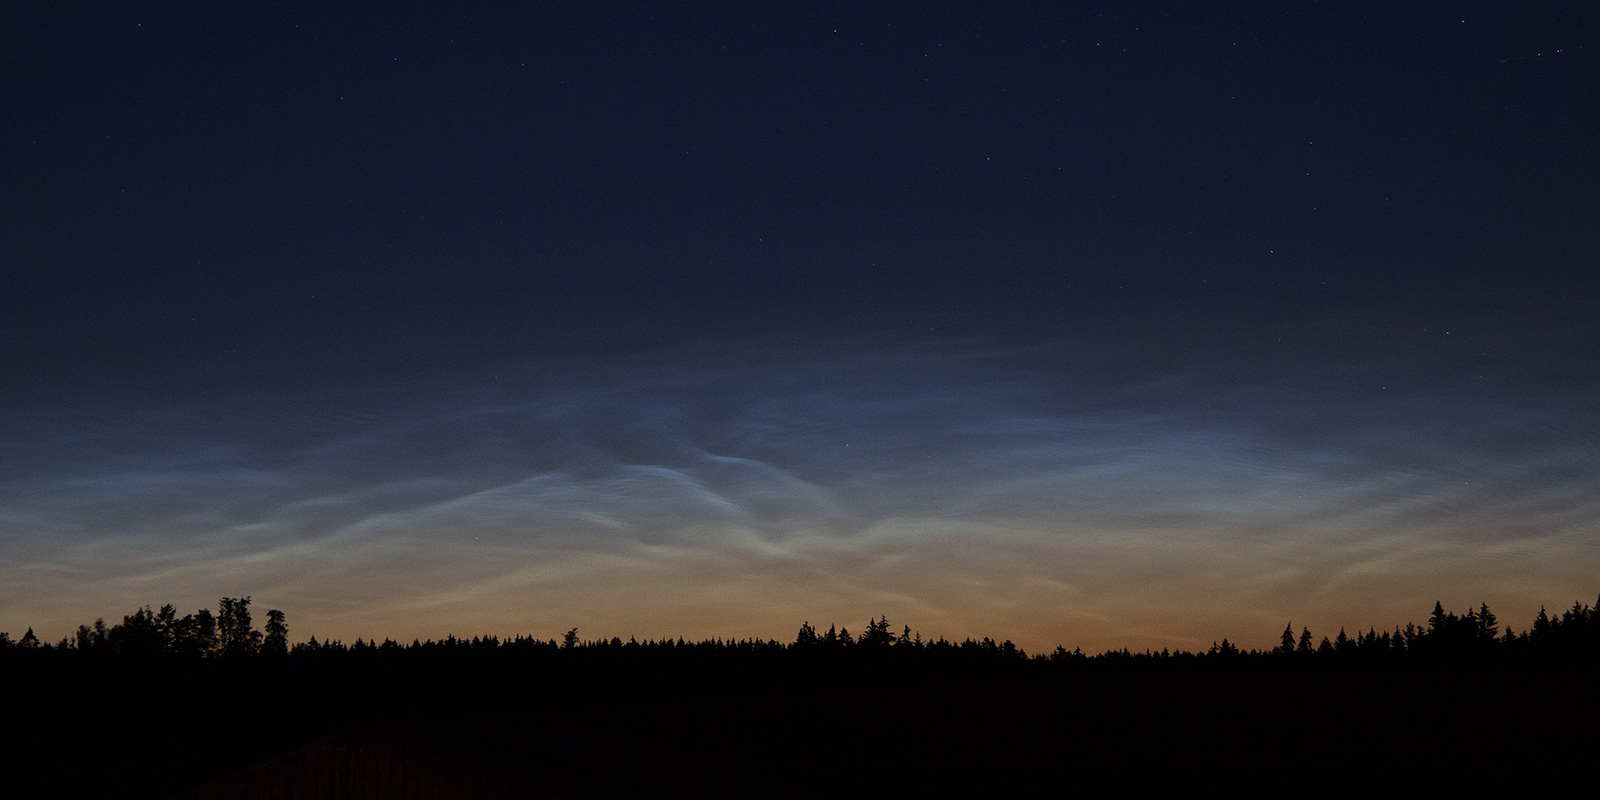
(162, 702)
(230, 634)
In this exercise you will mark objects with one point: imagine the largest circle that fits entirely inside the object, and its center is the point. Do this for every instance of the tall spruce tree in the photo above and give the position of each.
(276, 642)
(1488, 626)
(235, 634)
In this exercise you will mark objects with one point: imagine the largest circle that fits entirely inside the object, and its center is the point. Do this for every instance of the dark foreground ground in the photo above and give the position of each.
(753, 728)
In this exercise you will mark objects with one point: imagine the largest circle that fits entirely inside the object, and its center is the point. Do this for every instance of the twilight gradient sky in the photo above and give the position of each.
(1103, 326)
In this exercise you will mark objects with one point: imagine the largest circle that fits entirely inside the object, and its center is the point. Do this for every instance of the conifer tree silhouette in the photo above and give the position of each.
(807, 637)
(1488, 626)
(235, 634)
(276, 642)
(877, 634)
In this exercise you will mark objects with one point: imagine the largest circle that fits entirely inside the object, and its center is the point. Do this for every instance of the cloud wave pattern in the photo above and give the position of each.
(959, 488)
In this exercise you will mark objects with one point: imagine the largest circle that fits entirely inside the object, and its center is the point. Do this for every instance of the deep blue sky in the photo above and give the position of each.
(1146, 326)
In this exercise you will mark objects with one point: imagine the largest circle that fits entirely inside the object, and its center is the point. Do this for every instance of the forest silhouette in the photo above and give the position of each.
(164, 705)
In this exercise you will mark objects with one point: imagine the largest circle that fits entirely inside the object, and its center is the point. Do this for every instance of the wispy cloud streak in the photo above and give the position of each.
(1019, 490)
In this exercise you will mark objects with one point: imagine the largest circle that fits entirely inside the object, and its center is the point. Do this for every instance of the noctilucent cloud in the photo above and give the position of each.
(1095, 326)
(1039, 494)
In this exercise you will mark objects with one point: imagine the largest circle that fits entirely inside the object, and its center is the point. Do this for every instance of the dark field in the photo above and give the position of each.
(596, 721)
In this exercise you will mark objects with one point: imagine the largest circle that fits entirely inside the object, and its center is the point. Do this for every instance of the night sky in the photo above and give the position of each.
(1090, 324)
